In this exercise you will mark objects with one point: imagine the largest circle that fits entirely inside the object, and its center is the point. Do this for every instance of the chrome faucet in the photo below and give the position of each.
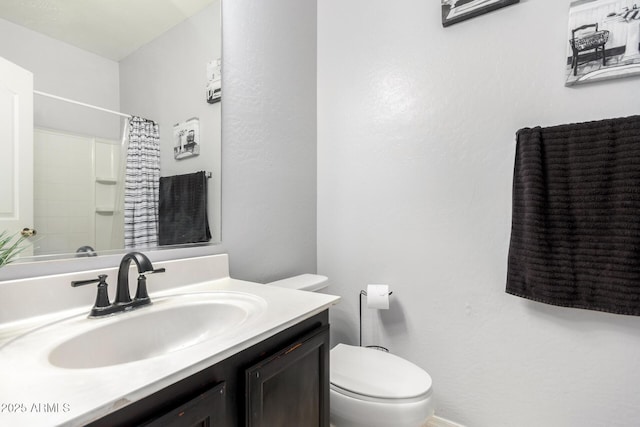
(83, 251)
(123, 301)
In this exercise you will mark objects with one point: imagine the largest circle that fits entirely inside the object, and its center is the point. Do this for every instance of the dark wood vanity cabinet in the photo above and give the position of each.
(291, 388)
(282, 381)
(206, 410)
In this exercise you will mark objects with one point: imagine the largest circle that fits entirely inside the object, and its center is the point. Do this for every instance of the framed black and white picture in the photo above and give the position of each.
(187, 139)
(454, 11)
(603, 40)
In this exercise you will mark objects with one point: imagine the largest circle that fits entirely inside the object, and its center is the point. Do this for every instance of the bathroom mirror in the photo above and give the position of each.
(156, 59)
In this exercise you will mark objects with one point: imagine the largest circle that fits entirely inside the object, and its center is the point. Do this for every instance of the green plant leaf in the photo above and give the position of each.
(9, 250)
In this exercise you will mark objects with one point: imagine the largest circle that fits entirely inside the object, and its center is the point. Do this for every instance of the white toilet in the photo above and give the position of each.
(370, 387)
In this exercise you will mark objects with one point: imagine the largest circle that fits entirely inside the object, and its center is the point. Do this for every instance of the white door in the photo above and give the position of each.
(16, 148)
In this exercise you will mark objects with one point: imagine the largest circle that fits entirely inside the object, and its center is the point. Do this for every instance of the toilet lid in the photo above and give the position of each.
(375, 373)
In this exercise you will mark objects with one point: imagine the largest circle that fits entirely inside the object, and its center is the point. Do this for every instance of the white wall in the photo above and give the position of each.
(416, 138)
(269, 134)
(67, 71)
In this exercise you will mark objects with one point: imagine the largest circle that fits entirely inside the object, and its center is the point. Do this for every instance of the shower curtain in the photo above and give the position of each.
(142, 181)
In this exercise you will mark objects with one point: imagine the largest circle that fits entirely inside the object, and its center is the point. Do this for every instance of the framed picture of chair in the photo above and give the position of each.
(454, 11)
(186, 137)
(603, 40)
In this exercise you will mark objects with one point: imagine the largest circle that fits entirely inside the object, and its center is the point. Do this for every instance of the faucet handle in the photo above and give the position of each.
(141, 291)
(77, 283)
(102, 299)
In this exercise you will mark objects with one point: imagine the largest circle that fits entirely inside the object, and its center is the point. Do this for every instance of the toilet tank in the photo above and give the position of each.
(304, 282)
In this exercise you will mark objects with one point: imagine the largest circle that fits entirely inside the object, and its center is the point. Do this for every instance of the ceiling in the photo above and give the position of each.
(110, 28)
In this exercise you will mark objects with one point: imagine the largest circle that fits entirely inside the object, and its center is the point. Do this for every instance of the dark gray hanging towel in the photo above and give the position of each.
(182, 211)
(575, 235)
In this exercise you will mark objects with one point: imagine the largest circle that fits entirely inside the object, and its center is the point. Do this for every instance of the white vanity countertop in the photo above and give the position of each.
(35, 393)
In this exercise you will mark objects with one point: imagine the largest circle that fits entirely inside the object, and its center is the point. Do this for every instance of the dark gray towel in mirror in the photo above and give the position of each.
(183, 209)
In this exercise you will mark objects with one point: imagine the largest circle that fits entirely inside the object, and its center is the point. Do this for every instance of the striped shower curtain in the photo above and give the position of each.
(142, 181)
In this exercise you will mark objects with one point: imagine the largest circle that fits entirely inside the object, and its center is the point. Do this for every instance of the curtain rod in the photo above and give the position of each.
(48, 95)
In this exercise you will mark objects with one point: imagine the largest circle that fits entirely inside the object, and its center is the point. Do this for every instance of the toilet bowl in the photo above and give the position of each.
(370, 387)
(377, 389)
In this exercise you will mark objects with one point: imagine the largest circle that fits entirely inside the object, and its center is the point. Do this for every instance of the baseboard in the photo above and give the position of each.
(441, 422)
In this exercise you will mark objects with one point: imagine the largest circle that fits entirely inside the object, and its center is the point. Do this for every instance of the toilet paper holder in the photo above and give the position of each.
(375, 347)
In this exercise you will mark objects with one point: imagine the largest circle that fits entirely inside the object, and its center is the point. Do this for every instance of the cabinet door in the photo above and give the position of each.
(205, 410)
(291, 388)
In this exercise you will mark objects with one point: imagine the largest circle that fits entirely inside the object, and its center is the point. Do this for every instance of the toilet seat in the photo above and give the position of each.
(374, 375)
(384, 400)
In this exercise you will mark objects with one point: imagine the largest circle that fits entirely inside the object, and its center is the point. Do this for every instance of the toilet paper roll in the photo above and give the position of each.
(378, 297)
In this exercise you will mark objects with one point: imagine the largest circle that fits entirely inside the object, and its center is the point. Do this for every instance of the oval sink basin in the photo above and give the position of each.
(168, 325)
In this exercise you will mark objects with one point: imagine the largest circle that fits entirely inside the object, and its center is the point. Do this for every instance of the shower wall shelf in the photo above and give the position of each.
(104, 210)
(106, 180)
